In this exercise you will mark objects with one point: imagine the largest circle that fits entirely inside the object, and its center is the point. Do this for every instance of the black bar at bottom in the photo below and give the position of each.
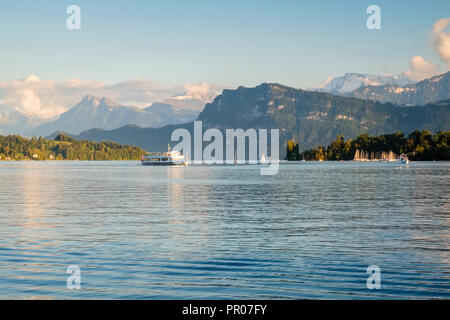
(229, 309)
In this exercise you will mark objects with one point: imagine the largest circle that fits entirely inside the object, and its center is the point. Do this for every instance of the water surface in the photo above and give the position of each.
(138, 232)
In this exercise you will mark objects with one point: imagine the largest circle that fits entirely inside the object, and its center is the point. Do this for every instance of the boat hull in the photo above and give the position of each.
(162, 163)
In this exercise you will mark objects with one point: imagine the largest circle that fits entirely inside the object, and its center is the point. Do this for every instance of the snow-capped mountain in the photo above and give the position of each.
(352, 81)
(426, 91)
(104, 113)
(13, 121)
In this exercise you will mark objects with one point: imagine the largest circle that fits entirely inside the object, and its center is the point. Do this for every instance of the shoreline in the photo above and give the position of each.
(28, 160)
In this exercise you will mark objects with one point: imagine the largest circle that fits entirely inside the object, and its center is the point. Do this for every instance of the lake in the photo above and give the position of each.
(224, 232)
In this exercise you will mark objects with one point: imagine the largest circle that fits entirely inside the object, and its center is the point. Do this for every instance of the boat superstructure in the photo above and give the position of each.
(169, 158)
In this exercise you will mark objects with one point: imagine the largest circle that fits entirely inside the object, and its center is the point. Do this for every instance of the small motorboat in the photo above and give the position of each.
(403, 159)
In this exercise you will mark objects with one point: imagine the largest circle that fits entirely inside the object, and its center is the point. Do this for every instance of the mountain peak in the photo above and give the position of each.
(90, 100)
(272, 86)
(95, 101)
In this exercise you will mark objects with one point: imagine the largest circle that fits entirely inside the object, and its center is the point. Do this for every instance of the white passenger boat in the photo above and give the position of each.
(169, 158)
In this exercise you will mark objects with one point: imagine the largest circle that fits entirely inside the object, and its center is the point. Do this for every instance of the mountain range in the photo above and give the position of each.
(420, 93)
(312, 118)
(104, 113)
(386, 88)
(352, 81)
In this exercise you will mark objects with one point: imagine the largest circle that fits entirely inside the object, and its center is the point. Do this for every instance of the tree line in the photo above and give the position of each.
(63, 147)
(418, 146)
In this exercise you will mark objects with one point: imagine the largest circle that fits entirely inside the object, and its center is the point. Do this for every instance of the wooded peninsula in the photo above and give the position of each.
(418, 146)
(63, 147)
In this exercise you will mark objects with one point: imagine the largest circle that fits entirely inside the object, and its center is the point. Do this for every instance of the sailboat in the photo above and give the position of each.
(263, 159)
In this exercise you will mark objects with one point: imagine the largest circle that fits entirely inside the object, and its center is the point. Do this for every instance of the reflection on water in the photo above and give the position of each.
(224, 232)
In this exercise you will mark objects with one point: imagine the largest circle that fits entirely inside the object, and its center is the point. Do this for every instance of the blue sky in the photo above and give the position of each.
(229, 43)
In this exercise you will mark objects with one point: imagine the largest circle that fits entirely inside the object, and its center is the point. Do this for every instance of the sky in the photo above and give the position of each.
(169, 44)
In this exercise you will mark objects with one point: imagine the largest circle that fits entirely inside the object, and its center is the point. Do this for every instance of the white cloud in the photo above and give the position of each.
(47, 99)
(420, 69)
(198, 91)
(30, 96)
(442, 40)
(32, 78)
